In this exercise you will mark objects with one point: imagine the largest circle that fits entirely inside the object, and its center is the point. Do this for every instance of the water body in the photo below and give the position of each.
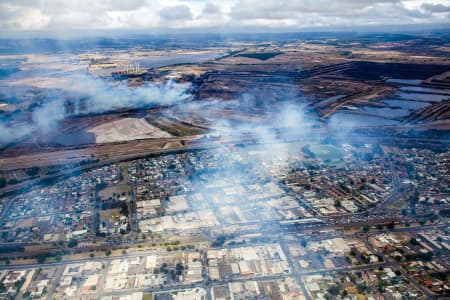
(329, 100)
(162, 61)
(405, 104)
(42, 73)
(387, 112)
(405, 81)
(7, 72)
(152, 62)
(402, 104)
(423, 97)
(9, 67)
(349, 119)
(424, 90)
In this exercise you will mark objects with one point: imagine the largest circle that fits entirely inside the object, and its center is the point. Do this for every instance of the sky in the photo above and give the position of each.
(19, 16)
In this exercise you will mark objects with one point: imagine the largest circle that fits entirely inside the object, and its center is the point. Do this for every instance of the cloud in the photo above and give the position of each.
(176, 13)
(210, 9)
(233, 15)
(18, 18)
(58, 15)
(436, 8)
(317, 13)
(285, 9)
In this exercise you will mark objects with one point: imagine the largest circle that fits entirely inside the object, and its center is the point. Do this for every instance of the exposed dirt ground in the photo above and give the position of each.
(306, 71)
(126, 129)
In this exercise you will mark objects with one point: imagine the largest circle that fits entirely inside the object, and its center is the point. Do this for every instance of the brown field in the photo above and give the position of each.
(110, 214)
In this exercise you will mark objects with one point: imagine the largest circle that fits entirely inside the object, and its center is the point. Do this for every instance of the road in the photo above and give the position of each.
(298, 274)
(393, 196)
(122, 151)
(380, 210)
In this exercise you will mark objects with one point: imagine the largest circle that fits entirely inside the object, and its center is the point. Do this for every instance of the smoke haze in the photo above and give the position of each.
(94, 96)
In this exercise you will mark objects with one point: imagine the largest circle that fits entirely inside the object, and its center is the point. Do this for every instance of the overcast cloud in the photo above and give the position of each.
(233, 15)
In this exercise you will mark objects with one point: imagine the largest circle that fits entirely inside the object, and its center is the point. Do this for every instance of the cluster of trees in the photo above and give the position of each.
(72, 243)
(173, 272)
(32, 172)
(445, 213)
(390, 226)
(4, 182)
(220, 240)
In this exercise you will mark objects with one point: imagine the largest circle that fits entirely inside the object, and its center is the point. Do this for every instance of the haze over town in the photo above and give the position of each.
(224, 150)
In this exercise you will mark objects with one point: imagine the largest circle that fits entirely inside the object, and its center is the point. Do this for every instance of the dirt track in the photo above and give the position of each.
(104, 152)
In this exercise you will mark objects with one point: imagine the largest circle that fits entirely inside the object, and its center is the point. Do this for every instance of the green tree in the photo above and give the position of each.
(13, 181)
(391, 225)
(2, 182)
(179, 268)
(72, 243)
(414, 241)
(334, 290)
(304, 243)
(41, 258)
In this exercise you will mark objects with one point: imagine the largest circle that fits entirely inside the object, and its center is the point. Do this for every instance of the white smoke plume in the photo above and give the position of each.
(94, 96)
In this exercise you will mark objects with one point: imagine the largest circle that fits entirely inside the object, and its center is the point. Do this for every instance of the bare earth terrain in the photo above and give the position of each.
(126, 129)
